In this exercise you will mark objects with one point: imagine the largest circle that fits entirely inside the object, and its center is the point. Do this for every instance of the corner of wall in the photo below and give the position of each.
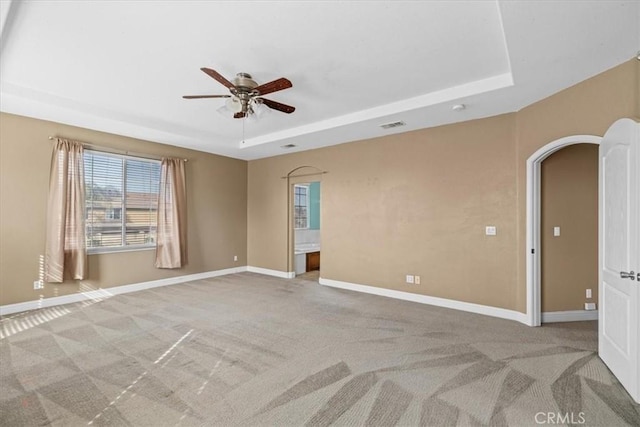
(637, 88)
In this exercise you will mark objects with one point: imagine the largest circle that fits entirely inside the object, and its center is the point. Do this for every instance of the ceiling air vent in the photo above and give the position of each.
(286, 147)
(392, 125)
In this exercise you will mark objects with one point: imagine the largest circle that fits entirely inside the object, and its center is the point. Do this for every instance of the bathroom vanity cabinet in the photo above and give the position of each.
(313, 261)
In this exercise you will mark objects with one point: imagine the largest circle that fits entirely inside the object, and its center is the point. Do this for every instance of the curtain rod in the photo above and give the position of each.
(116, 151)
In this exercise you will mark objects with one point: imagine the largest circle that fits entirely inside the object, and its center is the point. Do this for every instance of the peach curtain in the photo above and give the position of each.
(171, 242)
(65, 249)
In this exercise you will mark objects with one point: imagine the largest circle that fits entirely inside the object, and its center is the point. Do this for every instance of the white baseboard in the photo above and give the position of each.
(104, 293)
(268, 272)
(569, 316)
(425, 299)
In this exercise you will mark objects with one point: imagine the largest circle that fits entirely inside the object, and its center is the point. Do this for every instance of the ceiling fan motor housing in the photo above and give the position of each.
(244, 81)
(244, 90)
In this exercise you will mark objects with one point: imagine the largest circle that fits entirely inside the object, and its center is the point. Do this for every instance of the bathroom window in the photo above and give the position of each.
(301, 206)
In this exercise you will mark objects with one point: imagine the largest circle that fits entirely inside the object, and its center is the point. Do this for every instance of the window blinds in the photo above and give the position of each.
(121, 200)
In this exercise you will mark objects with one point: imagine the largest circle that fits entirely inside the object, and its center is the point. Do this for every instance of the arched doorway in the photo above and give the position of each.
(302, 177)
(533, 259)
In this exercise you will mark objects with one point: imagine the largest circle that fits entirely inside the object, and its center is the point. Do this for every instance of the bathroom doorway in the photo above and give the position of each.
(306, 230)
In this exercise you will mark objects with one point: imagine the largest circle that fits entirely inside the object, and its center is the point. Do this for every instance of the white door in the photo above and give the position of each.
(619, 255)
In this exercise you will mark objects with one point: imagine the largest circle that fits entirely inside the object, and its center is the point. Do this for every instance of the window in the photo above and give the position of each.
(121, 204)
(114, 213)
(301, 206)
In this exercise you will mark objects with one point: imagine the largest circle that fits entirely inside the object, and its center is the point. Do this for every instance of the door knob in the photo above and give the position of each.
(630, 275)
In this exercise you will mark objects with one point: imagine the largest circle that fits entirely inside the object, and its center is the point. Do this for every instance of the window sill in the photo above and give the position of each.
(101, 251)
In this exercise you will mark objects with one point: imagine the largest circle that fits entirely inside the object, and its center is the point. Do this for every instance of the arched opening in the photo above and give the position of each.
(569, 234)
(533, 214)
(303, 229)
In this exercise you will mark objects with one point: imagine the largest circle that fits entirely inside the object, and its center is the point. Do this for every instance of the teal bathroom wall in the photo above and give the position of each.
(314, 208)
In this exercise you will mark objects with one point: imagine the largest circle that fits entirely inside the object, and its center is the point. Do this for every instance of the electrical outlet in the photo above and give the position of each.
(589, 305)
(410, 278)
(588, 293)
(556, 231)
(235, 257)
(416, 280)
(490, 230)
(38, 284)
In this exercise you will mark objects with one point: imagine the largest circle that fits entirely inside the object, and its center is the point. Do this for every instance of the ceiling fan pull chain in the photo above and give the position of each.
(243, 120)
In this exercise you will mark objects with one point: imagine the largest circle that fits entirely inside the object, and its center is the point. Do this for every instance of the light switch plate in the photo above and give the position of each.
(490, 230)
(409, 278)
(588, 293)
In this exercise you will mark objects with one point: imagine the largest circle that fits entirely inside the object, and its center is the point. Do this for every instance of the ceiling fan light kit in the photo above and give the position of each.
(233, 104)
(246, 95)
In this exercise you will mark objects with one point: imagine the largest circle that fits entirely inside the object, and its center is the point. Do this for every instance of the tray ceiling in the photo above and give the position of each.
(122, 67)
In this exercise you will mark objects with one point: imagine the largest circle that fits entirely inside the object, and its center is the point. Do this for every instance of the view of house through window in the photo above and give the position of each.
(301, 206)
(121, 201)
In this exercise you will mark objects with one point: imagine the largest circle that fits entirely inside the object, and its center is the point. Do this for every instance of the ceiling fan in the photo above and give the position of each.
(246, 93)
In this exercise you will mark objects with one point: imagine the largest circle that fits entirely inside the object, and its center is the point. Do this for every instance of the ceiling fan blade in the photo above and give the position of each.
(239, 115)
(274, 86)
(205, 96)
(218, 77)
(278, 106)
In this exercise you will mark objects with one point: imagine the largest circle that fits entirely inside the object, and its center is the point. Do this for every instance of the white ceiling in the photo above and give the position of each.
(122, 67)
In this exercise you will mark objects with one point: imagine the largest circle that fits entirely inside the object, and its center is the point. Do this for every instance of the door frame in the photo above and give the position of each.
(533, 247)
(293, 178)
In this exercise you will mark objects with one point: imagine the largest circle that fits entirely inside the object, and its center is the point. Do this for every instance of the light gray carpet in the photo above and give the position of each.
(252, 350)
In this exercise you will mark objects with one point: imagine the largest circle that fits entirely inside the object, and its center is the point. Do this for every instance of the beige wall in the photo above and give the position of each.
(217, 211)
(569, 200)
(588, 108)
(418, 202)
(414, 203)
